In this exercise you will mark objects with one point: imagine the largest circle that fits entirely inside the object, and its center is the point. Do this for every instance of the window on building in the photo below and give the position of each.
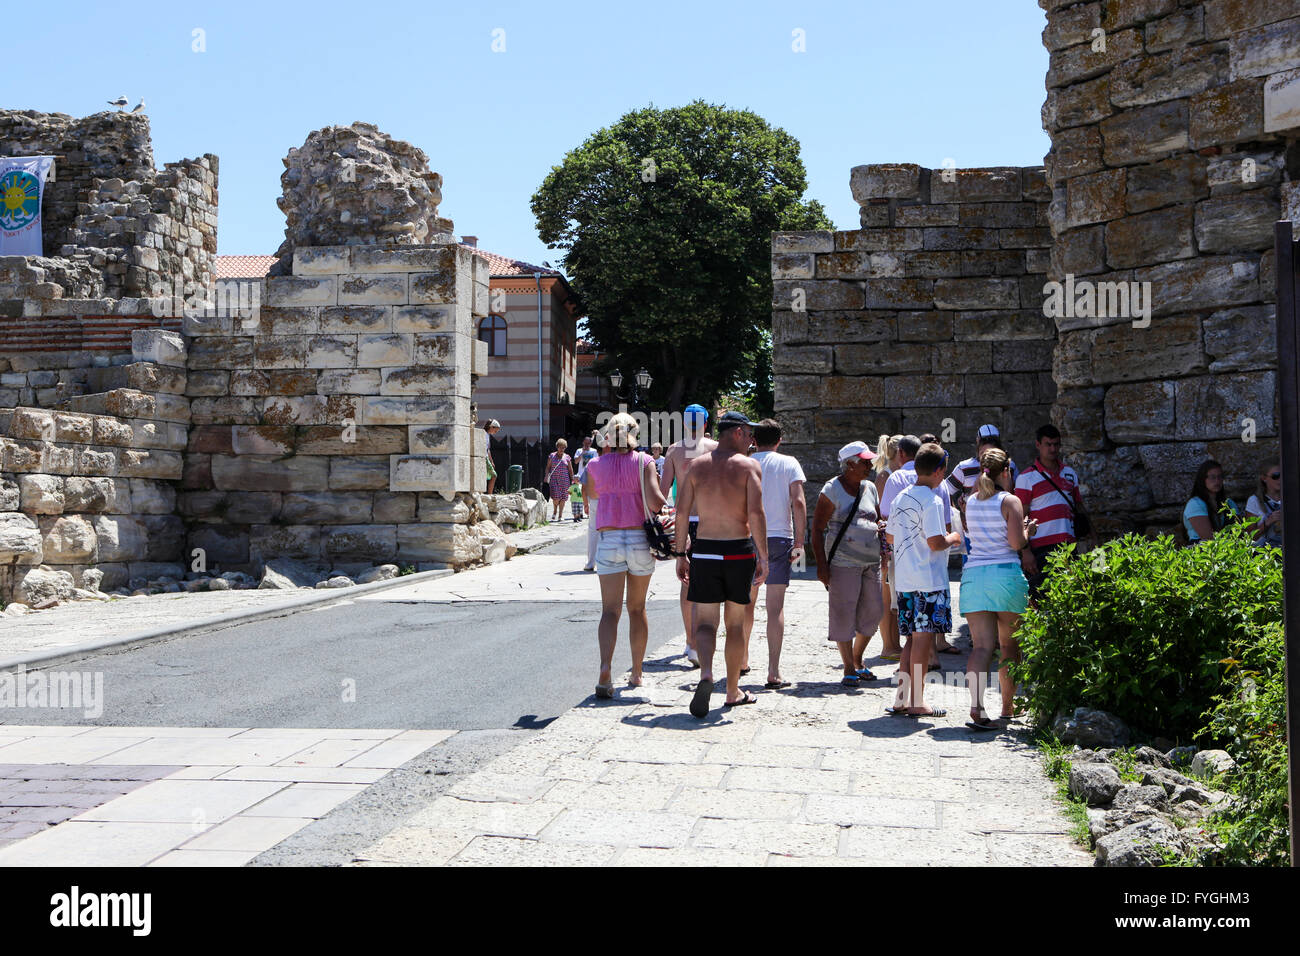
(492, 330)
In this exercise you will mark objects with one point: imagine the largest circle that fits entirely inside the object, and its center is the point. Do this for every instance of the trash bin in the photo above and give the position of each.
(515, 479)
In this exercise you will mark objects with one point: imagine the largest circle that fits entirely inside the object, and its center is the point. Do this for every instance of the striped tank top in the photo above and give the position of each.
(988, 532)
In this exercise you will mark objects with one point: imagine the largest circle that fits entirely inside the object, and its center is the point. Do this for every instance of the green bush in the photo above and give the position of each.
(1249, 718)
(1141, 628)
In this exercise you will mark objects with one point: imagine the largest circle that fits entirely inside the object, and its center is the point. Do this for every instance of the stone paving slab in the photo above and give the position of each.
(813, 775)
(204, 796)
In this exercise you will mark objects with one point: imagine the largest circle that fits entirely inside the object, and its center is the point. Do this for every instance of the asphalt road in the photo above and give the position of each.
(378, 663)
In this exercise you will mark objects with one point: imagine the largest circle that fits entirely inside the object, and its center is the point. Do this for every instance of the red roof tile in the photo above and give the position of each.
(242, 267)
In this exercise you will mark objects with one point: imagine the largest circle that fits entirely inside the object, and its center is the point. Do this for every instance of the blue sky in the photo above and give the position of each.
(880, 81)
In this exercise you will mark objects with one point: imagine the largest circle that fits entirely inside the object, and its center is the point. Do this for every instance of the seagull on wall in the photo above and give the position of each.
(139, 107)
(120, 102)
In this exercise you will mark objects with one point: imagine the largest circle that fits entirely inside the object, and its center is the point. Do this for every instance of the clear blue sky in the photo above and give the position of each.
(880, 81)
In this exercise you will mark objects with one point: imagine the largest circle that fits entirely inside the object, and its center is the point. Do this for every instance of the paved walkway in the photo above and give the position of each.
(814, 775)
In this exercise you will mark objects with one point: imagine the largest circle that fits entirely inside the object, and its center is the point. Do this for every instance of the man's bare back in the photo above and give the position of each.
(678, 460)
(725, 487)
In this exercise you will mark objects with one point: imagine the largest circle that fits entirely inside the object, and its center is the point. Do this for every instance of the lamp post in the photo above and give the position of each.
(641, 380)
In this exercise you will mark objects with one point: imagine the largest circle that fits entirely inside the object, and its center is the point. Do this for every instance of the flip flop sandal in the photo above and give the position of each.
(700, 702)
(949, 650)
(934, 712)
(776, 685)
(865, 674)
(744, 671)
(897, 712)
(891, 657)
(850, 680)
(605, 691)
(747, 699)
(978, 725)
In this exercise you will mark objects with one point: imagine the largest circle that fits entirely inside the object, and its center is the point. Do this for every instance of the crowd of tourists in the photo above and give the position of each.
(882, 532)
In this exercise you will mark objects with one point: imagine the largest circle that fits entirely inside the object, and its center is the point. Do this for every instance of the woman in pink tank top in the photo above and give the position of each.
(618, 480)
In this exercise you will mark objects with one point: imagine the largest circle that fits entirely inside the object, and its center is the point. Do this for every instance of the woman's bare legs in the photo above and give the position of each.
(611, 600)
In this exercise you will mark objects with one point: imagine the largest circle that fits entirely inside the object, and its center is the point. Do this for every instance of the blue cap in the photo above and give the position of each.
(697, 411)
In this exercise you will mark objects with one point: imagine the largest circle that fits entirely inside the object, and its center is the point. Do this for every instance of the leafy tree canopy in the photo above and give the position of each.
(666, 219)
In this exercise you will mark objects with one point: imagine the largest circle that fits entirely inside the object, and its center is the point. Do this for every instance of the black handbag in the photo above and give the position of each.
(658, 533)
(1082, 523)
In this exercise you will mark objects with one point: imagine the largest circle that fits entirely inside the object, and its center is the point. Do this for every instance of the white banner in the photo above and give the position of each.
(22, 187)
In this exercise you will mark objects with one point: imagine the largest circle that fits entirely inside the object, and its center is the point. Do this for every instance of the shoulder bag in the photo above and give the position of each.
(658, 532)
(1082, 523)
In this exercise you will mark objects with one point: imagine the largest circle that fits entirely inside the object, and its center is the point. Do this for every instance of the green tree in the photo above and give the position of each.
(666, 220)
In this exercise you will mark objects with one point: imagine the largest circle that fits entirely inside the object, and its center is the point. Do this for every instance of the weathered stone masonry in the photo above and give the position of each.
(1173, 128)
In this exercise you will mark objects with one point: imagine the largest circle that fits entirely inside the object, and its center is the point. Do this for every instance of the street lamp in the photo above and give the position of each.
(641, 382)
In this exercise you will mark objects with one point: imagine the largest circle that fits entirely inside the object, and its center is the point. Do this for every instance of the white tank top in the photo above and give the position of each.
(988, 532)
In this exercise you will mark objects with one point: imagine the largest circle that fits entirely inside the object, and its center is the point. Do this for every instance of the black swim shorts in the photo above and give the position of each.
(721, 571)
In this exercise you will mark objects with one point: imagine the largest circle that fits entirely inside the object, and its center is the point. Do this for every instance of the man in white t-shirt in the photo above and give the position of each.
(920, 541)
(786, 510)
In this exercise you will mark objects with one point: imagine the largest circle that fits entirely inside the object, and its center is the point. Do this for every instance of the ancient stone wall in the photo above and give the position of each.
(927, 319)
(112, 225)
(87, 494)
(333, 425)
(1173, 128)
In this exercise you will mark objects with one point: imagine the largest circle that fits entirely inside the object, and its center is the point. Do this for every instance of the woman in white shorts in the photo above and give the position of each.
(994, 592)
(618, 479)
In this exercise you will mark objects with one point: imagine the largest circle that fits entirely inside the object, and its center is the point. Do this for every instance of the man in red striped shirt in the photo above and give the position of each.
(1049, 491)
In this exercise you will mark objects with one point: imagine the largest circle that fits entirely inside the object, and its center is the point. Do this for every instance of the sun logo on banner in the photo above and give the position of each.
(20, 199)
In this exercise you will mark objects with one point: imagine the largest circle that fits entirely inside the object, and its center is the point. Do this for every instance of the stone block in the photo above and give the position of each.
(1167, 468)
(1245, 171)
(377, 351)
(356, 319)
(796, 391)
(121, 538)
(993, 184)
(810, 241)
(280, 351)
(350, 440)
(262, 473)
(876, 240)
(1027, 356)
(969, 357)
(853, 327)
(412, 410)
(326, 507)
(1235, 223)
(10, 496)
(1232, 113)
(293, 542)
(146, 496)
(425, 318)
(1171, 181)
(1151, 237)
(21, 541)
(1158, 78)
(855, 392)
(921, 214)
(960, 238)
(147, 377)
(439, 440)
(222, 545)
(1169, 348)
(115, 432)
(321, 260)
(1002, 325)
(391, 508)
(803, 359)
(1123, 13)
(150, 463)
(1003, 390)
(1085, 61)
(158, 346)
(41, 494)
(1202, 283)
(262, 439)
(232, 507)
(295, 320)
(480, 361)
(815, 294)
(976, 293)
(208, 382)
(1079, 252)
(1097, 197)
(448, 543)
(1081, 104)
(1003, 262)
(1225, 17)
(436, 509)
(877, 360)
(885, 181)
(69, 539)
(297, 410)
(1266, 49)
(792, 265)
(423, 258)
(1075, 152)
(1143, 411)
(425, 473)
(89, 460)
(928, 326)
(435, 288)
(858, 265)
(933, 264)
(1244, 337)
(1067, 28)
(425, 380)
(899, 294)
(301, 290)
(33, 423)
(146, 434)
(372, 289)
(331, 351)
(1223, 406)
(73, 427)
(365, 542)
(914, 391)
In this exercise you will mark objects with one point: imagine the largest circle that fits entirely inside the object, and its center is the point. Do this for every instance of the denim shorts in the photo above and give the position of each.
(620, 550)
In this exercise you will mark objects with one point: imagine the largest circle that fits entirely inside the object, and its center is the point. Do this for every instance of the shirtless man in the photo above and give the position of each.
(729, 556)
(694, 443)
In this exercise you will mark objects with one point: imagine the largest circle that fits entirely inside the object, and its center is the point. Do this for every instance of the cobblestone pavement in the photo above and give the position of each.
(813, 775)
